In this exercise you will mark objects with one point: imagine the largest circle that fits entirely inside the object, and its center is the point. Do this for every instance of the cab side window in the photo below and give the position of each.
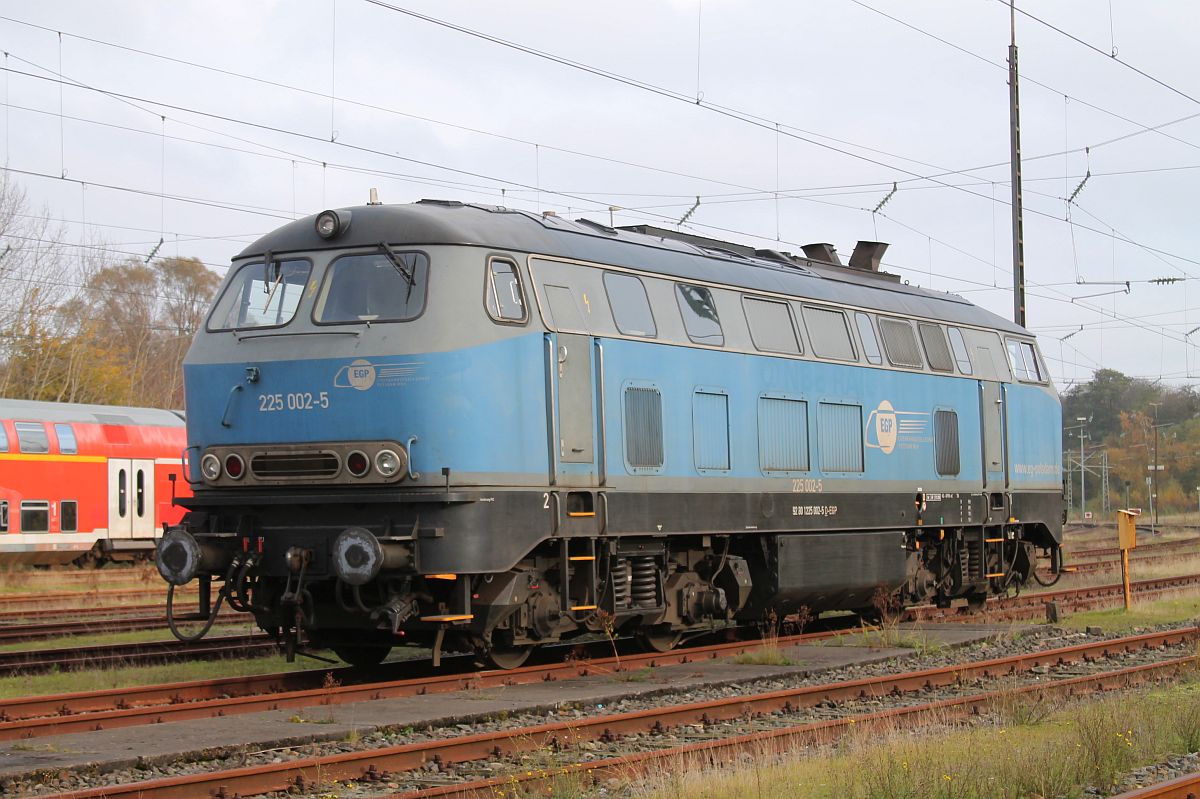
(3, 438)
(505, 301)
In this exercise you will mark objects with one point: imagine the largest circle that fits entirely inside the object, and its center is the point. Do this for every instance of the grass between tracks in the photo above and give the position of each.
(1142, 614)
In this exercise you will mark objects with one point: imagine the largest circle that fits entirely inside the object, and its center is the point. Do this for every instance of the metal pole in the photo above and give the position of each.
(1014, 120)
(1154, 504)
(1082, 479)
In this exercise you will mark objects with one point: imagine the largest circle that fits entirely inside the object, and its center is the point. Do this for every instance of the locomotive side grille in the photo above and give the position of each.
(643, 427)
(295, 464)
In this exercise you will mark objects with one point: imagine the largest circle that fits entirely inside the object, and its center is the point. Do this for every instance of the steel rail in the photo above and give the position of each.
(33, 660)
(56, 714)
(34, 601)
(18, 633)
(12, 617)
(126, 707)
(370, 764)
(1155, 545)
(786, 739)
(1186, 787)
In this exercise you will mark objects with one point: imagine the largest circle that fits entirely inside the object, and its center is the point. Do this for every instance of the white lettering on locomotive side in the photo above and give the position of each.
(294, 401)
(814, 510)
(804, 485)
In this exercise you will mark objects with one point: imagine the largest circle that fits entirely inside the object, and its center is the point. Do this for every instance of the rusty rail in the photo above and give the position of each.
(1186, 787)
(371, 764)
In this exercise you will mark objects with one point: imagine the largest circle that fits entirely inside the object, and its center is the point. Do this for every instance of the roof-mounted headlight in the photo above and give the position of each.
(332, 223)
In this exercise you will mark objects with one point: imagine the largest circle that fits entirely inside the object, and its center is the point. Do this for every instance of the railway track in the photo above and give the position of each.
(94, 598)
(133, 654)
(1186, 787)
(373, 765)
(10, 618)
(64, 713)
(52, 715)
(1156, 546)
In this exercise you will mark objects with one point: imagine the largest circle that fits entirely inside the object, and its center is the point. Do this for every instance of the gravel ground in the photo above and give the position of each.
(1171, 768)
(1037, 639)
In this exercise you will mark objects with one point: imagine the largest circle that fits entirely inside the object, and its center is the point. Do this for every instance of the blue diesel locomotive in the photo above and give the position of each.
(451, 424)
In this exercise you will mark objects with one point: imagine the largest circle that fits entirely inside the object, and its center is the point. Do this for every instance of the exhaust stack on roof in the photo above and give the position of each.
(825, 253)
(868, 255)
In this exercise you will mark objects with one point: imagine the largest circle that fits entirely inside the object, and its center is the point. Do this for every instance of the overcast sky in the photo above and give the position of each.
(808, 112)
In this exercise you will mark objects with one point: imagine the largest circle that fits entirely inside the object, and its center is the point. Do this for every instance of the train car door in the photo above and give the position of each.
(142, 499)
(991, 411)
(130, 498)
(120, 482)
(569, 375)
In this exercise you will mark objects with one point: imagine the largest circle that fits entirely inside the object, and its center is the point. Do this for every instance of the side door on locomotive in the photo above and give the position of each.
(574, 309)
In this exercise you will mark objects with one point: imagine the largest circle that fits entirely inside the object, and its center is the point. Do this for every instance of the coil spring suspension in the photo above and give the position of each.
(644, 585)
(975, 558)
(620, 583)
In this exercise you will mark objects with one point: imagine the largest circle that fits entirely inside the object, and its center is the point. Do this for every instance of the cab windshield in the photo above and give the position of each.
(261, 295)
(387, 287)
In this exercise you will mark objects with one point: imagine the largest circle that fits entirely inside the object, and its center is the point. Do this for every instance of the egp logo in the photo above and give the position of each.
(885, 427)
(360, 374)
(891, 428)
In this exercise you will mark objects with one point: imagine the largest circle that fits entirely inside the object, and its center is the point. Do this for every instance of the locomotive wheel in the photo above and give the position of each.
(509, 657)
(659, 638)
(363, 656)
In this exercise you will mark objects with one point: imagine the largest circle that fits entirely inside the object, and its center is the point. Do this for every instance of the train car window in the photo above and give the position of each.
(961, 357)
(771, 327)
(782, 434)
(866, 332)
(66, 439)
(643, 427)
(3, 438)
(31, 437)
(840, 437)
(373, 288)
(140, 495)
(1032, 365)
(699, 315)
(35, 516)
(1024, 361)
(261, 296)
(630, 305)
(122, 492)
(68, 516)
(565, 315)
(710, 430)
(936, 350)
(505, 301)
(900, 343)
(945, 442)
(3, 515)
(829, 333)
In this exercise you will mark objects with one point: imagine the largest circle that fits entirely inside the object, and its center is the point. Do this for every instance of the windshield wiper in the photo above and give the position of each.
(408, 274)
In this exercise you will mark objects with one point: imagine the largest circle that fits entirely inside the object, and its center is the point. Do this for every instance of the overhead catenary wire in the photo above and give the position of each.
(539, 187)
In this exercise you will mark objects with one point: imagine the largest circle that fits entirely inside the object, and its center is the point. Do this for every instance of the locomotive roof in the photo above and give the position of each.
(433, 222)
(30, 410)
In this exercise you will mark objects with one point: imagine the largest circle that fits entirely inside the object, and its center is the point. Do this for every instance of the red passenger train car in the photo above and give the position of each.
(86, 482)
